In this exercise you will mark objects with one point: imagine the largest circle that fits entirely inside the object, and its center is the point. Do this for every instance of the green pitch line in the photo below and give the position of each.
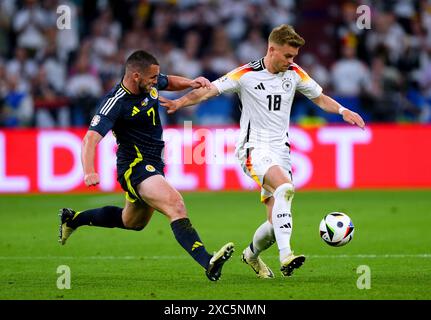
(392, 239)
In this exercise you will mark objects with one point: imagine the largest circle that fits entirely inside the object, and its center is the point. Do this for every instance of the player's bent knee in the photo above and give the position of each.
(133, 225)
(180, 209)
(177, 208)
(137, 228)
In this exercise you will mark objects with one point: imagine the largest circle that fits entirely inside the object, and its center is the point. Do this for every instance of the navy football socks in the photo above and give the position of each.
(108, 217)
(189, 239)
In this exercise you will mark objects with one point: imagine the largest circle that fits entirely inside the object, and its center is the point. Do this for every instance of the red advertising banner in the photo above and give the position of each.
(329, 157)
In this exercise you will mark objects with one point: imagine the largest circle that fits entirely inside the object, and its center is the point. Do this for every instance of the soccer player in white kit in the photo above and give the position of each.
(266, 89)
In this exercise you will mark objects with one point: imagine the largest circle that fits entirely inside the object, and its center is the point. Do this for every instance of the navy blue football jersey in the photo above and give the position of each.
(134, 121)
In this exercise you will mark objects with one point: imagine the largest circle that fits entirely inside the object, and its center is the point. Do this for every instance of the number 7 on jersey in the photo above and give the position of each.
(151, 111)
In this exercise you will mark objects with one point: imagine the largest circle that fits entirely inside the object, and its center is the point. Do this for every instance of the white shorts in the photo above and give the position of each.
(256, 162)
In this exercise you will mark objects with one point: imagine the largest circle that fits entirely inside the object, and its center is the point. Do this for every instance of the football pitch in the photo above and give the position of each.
(388, 258)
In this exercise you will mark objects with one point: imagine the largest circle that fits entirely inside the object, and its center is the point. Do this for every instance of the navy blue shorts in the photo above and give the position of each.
(135, 174)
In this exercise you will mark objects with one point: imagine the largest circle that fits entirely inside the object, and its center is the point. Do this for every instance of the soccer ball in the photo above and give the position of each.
(336, 229)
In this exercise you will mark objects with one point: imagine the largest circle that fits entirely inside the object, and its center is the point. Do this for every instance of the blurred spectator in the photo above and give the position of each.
(388, 33)
(425, 87)
(222, 57)
(84, 90)
(24, 67)
(405, 12)
(216, 111)
(134, 40)
(3, 75)
(425, 20)
(348, 33)
(104, 37)
(5, 18)
(112, 70)
(387, 101)
(3, 85)
(49, 8)
(279, 12)
(29, 24)
(193, 37)
(349, 75)
(234, 14)
(49, 59)
(50, 106)
(68, 39)
(186, 62)
(253, 48)
(207, 70)
(425, 77)
(316, 70)
(17, 108)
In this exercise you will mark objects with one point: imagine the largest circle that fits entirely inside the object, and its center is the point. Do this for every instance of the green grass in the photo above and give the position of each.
(392, 237)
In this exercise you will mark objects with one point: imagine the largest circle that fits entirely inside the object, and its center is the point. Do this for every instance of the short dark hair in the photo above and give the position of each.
(140, 60)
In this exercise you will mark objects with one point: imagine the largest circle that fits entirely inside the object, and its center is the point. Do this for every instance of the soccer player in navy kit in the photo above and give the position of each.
(130, 110)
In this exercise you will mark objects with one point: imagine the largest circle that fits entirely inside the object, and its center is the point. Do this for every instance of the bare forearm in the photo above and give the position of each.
(177, 83)
(88, 152)
(193, 97)
(330, 105)
(87, 158)
(197, 95)
(327, 103)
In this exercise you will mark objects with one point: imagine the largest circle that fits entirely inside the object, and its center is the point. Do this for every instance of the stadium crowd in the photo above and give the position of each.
(53, 77)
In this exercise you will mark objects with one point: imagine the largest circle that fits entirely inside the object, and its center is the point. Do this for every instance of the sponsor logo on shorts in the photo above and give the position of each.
(267, 160)
(150, 168)
(95, 121)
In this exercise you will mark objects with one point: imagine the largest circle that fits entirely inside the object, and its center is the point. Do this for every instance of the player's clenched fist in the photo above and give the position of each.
(200, 82)
(91, 179)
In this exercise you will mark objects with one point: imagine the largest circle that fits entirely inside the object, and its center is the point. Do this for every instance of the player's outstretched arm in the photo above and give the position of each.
(330, 105)
(88, 154)
(177, 83)
(193, 97)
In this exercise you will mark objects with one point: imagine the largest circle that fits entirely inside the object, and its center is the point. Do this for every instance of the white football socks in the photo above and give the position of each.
(263, 238)
(282, 218)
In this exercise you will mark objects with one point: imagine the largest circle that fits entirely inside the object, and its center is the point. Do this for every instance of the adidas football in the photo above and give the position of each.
(336, 229)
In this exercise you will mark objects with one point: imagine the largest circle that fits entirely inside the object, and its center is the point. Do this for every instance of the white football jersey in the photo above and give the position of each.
(266, 100)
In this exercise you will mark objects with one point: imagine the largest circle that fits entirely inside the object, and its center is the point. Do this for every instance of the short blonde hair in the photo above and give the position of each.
(285, 34)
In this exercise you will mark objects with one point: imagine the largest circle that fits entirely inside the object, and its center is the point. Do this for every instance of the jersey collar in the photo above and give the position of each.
(132, 94)
(263, 63)
(128, 91)
(124, 87)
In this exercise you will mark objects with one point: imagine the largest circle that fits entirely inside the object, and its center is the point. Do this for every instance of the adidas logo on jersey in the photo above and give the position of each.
(260, 86)
(135, 111)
